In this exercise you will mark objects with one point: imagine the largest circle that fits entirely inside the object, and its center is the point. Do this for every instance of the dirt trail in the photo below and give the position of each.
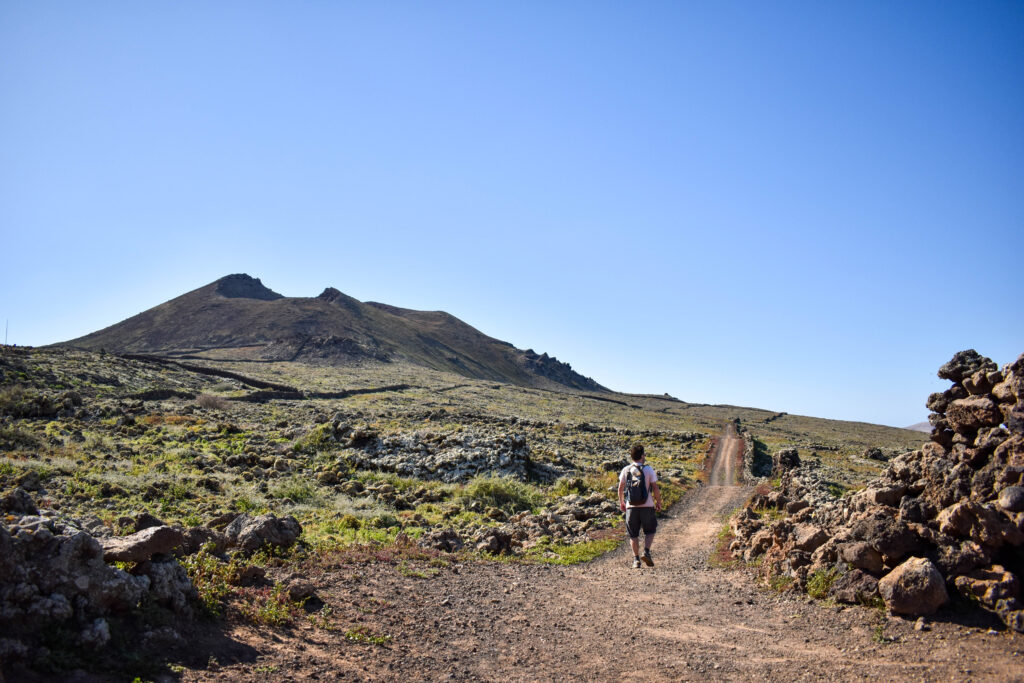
(682, 620)
(726, 458)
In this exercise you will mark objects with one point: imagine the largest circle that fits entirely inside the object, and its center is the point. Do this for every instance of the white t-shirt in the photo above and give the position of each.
(651, 477)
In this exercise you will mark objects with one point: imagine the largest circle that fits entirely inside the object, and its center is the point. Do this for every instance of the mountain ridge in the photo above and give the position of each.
(238, 317)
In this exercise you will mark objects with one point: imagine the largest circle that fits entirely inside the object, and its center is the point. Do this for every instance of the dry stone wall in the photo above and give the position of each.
(945, 520)
(58, 573)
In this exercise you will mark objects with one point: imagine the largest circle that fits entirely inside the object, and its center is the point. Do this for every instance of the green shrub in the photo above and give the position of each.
(569, 485)
(211, 577)
(820, 582)
(320, 438)
(211, 402)
(385, 520)
(270, 606)
(505, 493)
(14, 437)
(296, 489)
(349, 522)
(17, 401)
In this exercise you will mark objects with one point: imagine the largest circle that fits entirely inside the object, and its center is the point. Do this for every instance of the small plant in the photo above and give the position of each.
(270, 606)
(780, 583)
(211, 402)
(820, 582)
(406, 570)
(296, 489)
(575, 553)
(721, 556)
(211, 577)
(361, 634)
(504, 493)
(322, 618)
(245, 504)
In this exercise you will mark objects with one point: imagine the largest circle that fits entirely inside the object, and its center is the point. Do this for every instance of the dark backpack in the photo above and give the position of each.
(636, 485)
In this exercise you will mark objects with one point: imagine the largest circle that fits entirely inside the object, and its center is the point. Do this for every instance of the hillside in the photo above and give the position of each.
(238, 318)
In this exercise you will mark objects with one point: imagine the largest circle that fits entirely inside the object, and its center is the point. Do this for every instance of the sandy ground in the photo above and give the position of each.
(683, 619)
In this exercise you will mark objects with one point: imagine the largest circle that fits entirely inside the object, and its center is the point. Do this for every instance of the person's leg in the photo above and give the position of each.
(633, 522)
(650, 526)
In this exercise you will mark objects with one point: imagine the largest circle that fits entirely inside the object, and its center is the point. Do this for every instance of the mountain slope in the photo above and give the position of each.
(238, 317)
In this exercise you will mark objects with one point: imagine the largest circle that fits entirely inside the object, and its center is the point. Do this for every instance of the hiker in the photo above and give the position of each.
(639, 498)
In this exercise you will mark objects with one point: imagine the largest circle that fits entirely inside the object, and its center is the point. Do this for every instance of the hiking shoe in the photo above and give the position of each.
(648, 560)
(636, 564)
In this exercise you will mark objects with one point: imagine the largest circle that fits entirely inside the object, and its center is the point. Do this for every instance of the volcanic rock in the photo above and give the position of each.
(142, 545)
(914, 588)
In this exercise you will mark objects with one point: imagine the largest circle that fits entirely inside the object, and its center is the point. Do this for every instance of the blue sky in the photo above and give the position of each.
(800, 206)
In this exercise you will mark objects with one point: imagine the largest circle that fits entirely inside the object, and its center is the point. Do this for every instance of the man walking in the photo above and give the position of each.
(640, 498)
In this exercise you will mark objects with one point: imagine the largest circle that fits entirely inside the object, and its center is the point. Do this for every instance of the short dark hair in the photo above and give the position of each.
(636, 452)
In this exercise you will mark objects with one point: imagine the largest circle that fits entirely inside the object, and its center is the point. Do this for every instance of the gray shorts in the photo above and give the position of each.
(637, 518)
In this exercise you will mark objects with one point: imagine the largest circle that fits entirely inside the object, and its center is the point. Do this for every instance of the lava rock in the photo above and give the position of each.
(143, 545)
(914, 588)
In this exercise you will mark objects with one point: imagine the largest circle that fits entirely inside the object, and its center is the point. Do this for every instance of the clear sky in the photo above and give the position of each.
(799, 206)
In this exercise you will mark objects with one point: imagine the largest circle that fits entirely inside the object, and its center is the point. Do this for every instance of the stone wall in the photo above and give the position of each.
(945, 519)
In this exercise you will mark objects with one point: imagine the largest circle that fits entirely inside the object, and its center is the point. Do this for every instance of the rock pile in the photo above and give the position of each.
(53, 574)
(56, 572)
(430, 455)
(948, 518)
(567, 523)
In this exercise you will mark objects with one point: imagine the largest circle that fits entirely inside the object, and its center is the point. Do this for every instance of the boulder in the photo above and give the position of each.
(988, 586)
(19, 502)
(249, 534)
(169, 584)
(146, 521)
(1011, 498)
(981, 382)
(884, 495)
(300, 589)
(962, 558)
(795, 506)
(854, 587)
(808, 537)
(980, 523)
(914, 588)
(964, 364)
(973, 412)
(874, 454)
(141, 546)
(446, 540)
(785, 459)
(759, 544)
(1007, 390)
(194, 538)
(496, 542)
(892, 538)
(861, 555)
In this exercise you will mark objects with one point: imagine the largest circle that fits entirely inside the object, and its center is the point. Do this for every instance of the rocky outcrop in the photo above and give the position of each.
(569, 522)
(56, 571)
(249, 534)
(945, 519)
(142, 545)
(434, 456)
(53, 575)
